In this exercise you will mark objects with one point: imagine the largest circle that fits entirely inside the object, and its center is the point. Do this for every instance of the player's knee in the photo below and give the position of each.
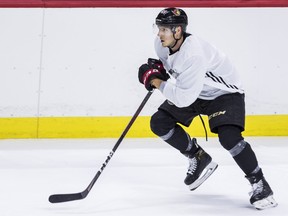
(229, 136)
(161, 123)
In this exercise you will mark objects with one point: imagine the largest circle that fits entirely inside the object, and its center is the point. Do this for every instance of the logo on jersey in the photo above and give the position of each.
(216, 114)
(173, 73)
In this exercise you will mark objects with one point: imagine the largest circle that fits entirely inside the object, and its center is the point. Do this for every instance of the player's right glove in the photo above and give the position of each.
(151, 70)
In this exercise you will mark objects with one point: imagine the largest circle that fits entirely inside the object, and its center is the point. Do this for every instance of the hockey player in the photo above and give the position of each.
(202, 80)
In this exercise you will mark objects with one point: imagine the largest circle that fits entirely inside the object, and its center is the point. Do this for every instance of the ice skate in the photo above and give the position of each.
(261, 194)
(200, 168)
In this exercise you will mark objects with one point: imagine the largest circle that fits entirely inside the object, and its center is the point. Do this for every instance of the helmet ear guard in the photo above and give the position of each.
(173, 28)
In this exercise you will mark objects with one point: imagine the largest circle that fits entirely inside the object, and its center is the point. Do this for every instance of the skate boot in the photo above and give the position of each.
(261, 194)
(199, 163)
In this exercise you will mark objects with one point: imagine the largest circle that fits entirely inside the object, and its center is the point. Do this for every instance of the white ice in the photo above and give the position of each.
(144, 177)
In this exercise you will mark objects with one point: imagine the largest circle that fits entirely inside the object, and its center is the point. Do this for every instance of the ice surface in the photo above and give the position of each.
(144, 177)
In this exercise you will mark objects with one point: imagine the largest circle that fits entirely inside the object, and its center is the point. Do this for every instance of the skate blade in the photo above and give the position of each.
(268, 202)
(211, 167)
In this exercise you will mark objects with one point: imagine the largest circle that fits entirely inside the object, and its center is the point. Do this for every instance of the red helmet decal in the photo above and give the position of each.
(176, 12)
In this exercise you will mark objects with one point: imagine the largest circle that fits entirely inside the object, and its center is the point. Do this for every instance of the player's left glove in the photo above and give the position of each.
(151, 70)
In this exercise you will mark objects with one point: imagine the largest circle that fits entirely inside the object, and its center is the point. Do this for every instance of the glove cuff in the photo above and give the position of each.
(148, 75)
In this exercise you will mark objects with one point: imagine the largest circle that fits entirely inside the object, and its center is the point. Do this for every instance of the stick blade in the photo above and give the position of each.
(58, 198)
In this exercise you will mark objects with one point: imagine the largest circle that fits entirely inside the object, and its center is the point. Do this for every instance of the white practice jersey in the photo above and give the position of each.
(200, 71)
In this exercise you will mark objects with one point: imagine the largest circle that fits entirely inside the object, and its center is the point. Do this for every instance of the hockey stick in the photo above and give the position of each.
(57, 198)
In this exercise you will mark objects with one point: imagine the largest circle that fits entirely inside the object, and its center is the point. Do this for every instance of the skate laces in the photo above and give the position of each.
(192, 165)
(256, 188)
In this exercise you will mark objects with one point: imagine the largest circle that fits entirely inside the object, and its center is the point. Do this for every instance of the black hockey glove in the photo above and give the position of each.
(157, 64)
(154, 69)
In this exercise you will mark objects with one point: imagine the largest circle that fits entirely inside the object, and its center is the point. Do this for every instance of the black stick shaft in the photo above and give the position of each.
(134, 117)
(56, 198)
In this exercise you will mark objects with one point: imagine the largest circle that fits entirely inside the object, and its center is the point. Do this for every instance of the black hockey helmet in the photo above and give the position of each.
(172, 17)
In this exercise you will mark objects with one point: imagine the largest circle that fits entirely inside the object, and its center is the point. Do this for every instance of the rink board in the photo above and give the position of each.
(112, 127)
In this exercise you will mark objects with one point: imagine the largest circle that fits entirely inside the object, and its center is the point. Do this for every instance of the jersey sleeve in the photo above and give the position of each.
(189, 83)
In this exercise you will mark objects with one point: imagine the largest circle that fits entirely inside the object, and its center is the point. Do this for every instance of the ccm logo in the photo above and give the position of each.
(216, 114)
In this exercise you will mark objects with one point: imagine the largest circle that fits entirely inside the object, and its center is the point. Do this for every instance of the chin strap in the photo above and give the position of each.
(176, 40)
